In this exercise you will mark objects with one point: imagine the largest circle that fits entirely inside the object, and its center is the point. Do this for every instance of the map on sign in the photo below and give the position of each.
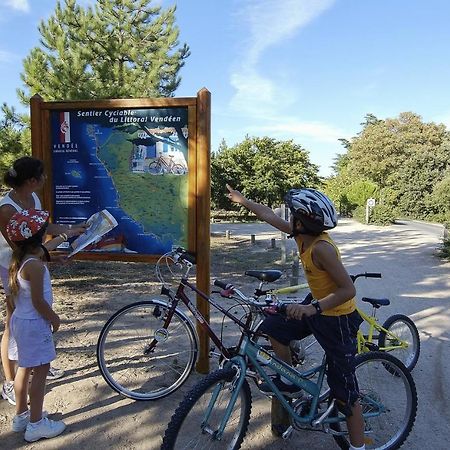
(132, 163)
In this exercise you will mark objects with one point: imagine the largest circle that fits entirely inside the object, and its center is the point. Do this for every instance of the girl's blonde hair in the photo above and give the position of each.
(20, 250)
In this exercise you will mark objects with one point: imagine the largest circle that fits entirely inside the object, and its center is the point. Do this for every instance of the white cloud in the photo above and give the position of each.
(317, 131)
(272, 21)
(269, 23)
(6, 56)
(19, 5)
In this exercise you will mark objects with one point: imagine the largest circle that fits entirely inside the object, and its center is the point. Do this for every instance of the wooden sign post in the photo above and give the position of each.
(146, 161)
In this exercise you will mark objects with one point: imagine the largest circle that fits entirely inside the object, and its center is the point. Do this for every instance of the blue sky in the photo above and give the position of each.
(307, 70)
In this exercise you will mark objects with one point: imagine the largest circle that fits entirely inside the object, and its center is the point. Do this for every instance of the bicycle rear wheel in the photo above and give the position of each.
(403, 329)
(140, 359)
(197, 418)
(388, 399)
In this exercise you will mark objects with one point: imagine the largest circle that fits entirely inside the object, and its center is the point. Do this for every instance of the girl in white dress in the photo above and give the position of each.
(33, 321)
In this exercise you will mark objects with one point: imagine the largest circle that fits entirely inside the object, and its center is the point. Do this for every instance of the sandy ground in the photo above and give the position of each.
(88, 293)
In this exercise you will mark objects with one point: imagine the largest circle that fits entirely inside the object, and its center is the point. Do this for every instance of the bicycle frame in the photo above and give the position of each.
(255, 353)
(181, 296)
(366, 341)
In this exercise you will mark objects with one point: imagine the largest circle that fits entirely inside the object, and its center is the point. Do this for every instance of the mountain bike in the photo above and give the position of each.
(147, 349)
(397, 335)
(216, 412)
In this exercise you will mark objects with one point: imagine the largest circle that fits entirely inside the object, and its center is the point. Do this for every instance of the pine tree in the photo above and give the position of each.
(14, 137)
(116, 49)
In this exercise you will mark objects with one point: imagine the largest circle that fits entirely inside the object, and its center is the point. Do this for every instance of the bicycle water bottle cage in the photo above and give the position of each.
(264, 275)
(376, 302)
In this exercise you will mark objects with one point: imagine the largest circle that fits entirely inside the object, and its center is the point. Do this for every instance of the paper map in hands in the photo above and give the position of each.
(97, 226)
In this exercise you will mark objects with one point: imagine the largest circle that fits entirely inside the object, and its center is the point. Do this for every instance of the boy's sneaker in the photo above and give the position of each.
(8, 392)
(45, 428)
(288, 390)
(20, 422)
(54, 373)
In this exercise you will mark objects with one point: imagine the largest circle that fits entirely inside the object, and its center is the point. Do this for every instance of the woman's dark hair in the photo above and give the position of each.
(23, 169)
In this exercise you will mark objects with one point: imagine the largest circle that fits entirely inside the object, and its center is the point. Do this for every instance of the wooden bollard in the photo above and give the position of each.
(279, 418)
(252, 239)
(295, 271)
(283, 251)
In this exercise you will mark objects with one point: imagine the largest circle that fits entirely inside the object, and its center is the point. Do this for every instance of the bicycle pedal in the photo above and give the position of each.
(288, 433)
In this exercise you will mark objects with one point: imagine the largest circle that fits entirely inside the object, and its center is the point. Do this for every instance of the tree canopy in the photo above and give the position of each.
(115, 49)
(401, 160)
(13, 137)
(263, 169)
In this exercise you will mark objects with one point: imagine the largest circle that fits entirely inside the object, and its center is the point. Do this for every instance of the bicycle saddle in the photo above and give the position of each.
(376, 302)
(264, 275)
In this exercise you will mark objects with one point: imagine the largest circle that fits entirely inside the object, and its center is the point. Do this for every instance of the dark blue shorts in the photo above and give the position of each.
(336, 335)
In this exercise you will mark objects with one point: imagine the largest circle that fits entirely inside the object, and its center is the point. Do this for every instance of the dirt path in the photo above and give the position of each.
(88, 293)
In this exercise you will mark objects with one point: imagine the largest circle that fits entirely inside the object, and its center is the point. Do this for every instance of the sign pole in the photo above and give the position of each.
(203, 218)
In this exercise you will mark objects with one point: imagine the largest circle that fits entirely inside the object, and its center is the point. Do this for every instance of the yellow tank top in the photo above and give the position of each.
(319, 281)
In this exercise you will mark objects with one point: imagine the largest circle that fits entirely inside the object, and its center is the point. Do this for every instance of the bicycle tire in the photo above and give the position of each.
(122, 345)
(399, 323)
(186, 423)
(155, 167)
(178, 169)
(396, 390)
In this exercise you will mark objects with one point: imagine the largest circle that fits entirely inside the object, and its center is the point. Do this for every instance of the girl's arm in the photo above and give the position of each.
(34, 273)
(71, 230)
(62, 236)
(261, 211)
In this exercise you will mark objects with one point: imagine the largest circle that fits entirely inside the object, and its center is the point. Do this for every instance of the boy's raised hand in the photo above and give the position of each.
(234, 196)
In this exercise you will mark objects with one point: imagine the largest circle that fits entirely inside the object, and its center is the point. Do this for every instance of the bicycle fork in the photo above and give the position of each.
(236, 385)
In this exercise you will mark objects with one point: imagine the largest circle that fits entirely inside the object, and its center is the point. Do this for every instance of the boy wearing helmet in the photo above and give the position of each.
(331, 315)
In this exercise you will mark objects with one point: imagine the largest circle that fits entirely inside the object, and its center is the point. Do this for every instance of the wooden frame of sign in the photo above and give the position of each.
(135, 112)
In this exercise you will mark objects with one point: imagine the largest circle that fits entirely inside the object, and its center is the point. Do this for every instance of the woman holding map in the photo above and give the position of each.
(25, 177)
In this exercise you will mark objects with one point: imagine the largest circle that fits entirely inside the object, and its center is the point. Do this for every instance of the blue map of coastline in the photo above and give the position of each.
(94, 177)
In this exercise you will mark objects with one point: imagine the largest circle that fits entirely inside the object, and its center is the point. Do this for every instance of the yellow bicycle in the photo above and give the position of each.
(398, 334)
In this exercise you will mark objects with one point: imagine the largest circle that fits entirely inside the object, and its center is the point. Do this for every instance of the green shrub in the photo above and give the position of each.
(382, 215)
(379, 215)
(359, 213)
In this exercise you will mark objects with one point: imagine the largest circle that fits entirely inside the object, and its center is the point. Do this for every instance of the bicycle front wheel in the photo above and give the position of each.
(197, 418)
(178, 169)
(402, 340)
(388, 399)
(141, 359)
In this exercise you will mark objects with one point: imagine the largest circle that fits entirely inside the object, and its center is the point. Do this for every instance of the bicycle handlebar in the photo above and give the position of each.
(185, 256)
(222, 285)
(366, 275)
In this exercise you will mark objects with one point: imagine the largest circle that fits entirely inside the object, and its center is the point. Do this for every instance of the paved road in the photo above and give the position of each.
(418, 284)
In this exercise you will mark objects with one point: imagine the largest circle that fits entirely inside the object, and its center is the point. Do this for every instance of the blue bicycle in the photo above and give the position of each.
(216, 412)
